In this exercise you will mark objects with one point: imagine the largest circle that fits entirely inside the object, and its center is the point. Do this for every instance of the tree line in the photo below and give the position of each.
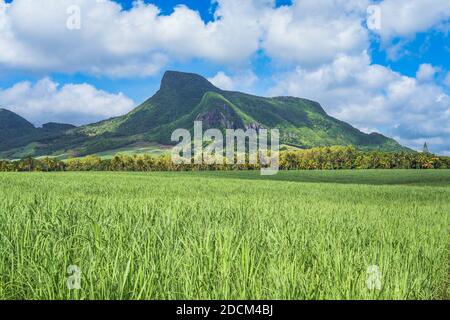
(323, 158)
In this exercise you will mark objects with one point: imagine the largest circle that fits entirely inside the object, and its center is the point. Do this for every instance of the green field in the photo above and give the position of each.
(225, 235)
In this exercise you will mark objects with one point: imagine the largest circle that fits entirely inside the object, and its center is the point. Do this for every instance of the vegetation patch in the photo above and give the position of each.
(225, 235)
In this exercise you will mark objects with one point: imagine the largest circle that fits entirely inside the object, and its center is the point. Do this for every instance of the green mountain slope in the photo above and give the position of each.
(18, 137)
(13, 126)
(184, 98)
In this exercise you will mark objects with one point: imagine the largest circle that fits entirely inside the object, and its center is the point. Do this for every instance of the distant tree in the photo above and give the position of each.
(28, 163)
(425, 148)
(321, 158)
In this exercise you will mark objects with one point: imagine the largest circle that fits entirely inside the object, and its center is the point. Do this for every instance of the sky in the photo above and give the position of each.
(382, 66)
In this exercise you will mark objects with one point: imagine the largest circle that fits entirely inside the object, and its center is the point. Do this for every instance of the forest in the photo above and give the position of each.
(321, 158)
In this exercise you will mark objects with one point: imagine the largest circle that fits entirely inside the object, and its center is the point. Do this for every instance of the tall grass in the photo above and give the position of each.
(219, 236)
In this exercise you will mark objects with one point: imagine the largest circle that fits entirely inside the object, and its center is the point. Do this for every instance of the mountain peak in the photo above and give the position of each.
(5, 110)
(179, 80)
(13, 126)
(11, 119)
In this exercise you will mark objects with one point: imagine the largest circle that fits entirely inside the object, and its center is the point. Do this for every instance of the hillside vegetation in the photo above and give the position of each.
(184, 98)
(326, 158)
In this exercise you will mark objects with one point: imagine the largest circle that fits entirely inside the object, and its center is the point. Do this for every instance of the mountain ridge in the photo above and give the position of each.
(186, 97)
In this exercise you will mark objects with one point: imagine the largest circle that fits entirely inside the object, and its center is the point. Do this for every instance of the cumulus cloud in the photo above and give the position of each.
(44, 35)
(240, 81)
(47, 101)
(405, 18)
(47, 35)
(447, 80)
(140, 41)
(367, 95)
(222, 81)
(313, 32)
(426, 72)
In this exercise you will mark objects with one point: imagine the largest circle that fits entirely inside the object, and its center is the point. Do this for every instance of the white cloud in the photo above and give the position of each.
(405, 18)
(447, 80)
(312, 32)
(111, 41)
(46, 101)
(426, 72)
(141, 41)
(373, 96)
(241, 81)
(368, 130)
(222, 81)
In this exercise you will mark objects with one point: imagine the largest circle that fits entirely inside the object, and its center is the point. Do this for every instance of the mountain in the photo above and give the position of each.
(13, 126)
(184, 98)
(57, 127)
(19, 136)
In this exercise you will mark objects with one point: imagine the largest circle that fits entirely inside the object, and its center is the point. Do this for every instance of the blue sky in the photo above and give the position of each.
(380, 65)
